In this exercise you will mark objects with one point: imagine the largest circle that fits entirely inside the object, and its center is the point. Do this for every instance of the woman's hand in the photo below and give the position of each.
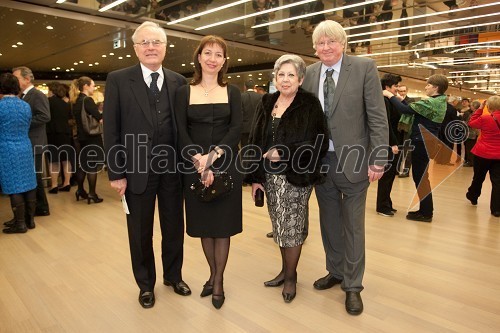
(272, 155)
(207, 177)
(255, 187)
(387, 93)
(202, 162)
(395, 150)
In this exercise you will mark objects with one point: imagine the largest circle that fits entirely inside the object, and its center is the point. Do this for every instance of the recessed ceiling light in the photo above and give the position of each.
(96, 63)
(90, 65)
(72, 69)
(19, 43)
(227, 58)
(191, 63)
(58, 67)
(237, 76)
(260, 78)
(75, 63)
(104, 56)
(172, 45)
(53, 69)
(249, 74)
(120, 58)
(229, 77)
(67, 70)
(128, 55)
(60, 1)
(20, 23)
(81, 61)
(260, 73)
(239, 59)
(14, 46)
(49, 27)
(183, 65)
(111, 53)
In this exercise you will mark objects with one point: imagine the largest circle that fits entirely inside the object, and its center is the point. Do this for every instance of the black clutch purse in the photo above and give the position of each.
(259, 198)
(222, 186)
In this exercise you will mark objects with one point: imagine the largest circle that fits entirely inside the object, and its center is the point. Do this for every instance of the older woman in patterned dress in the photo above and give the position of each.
(291, 134)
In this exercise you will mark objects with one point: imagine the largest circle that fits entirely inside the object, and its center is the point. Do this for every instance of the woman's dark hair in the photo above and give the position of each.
(9, 84)
(210, 40)
(57, 89)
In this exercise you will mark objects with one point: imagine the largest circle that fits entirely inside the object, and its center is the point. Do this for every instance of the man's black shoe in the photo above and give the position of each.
(496, 214)
(147, 299)
(180, 287)
(419, 217)
(386, 213)
(326, 282)
(471, 199)
(40, 212)
(353, 303)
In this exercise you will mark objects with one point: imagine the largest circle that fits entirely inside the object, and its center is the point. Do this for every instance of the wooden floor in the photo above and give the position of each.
(73, 274)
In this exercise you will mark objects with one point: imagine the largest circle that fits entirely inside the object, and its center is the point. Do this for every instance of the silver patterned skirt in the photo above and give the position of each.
(288, 207)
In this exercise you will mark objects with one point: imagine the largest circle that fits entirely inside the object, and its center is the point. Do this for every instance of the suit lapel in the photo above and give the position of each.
(138, 88)
(345, 71)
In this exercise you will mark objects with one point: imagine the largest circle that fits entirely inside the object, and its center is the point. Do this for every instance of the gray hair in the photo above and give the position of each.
(476, 104)
(452, 99)
(330, 29)
(295, 60)
(25, 72)
(150, 26)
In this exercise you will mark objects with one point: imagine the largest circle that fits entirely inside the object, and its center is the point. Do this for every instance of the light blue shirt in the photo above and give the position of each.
(321, 95)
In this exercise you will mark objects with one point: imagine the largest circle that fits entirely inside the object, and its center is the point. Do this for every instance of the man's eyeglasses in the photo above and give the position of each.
(155, 43)
(330, 43)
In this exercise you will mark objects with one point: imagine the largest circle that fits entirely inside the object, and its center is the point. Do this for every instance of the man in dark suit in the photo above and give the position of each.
(40, 110)
(349, 90)
(140, 138)
(249, 101)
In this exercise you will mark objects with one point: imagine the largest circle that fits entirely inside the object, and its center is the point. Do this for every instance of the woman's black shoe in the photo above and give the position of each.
(94, 198)
(53, 190)
(274, 282)
(207, 290)
(288, 298)
(217, 302)
(82, 194)
(65, 188)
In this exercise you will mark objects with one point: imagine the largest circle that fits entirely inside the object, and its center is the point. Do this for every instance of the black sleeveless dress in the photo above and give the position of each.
(207, 126)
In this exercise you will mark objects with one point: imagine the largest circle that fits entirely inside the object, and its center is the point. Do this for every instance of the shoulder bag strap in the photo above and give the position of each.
(496, 121)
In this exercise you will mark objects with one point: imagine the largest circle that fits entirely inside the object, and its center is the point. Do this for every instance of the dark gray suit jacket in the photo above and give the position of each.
(127, 113)
(358, 125)
(40, 111)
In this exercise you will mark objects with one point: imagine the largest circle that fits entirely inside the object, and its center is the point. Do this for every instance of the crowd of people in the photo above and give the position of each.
(166, 138)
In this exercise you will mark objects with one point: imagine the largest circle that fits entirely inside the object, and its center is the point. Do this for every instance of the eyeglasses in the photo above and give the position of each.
(330, 43)
(155, 43)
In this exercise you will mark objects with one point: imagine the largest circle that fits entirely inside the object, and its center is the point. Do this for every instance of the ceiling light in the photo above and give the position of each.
(249, 74)
(96, 63)
(471, 71)
(81, 61)
(67, 70)
(120, 58)
(72, 69)
(53, 69)
(171, 45)
(183, 65)
(213, 10)
(60, 1)
(14, 46)
(239, 59)
(128, 55)
(19, 43)
(191, 63)
(425, 32)
(104, 56)
(58, 67)
(111, 5)
(20, 23)
(90, 65)
(303, 2)
(111, 54)
(260, 73)
(237, 76)
(312, 14)
(229, 77)
(49, 27)
(75, 63)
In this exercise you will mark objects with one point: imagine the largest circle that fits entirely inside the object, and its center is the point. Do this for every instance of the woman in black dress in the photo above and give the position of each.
(91, 154)
(208, 115)
(59, 137)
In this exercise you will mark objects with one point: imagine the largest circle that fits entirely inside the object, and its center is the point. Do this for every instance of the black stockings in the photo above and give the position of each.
(92, 180)
(216, 251)
(289, 260)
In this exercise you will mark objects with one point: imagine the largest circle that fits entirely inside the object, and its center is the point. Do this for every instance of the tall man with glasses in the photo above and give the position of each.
(349, 90)
(140, 137)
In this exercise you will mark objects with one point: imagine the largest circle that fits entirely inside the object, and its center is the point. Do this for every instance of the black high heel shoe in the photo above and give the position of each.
(53, 190)
(82, 194)
(207, 289)
(274, 282)
(94, 198)
(217, 302)
(288, 297)
(65, 188)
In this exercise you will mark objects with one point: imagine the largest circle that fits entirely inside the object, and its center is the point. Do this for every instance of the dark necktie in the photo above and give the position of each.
(329, 92)
(154, 84)
(22, 96)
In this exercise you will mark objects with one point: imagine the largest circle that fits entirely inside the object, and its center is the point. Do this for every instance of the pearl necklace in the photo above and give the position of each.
(209, 90)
